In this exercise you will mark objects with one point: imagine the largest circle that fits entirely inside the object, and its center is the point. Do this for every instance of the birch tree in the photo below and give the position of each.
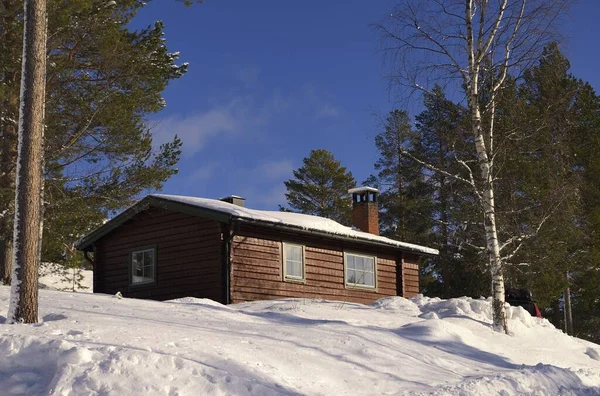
(471, 47)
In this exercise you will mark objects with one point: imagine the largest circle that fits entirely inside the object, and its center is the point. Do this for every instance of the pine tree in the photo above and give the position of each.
(585, 280)
(542, 121)
(11, 41)
(474, 47)
(23, 306)
(444, 133)
(426, 207)
(103, 80)
(320, 187)
(404, 195)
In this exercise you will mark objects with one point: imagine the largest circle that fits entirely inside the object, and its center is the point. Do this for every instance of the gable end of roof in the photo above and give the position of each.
(86, 242)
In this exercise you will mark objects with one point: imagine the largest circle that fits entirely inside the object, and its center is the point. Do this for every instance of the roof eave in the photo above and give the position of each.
(289, 227)
(87, 242)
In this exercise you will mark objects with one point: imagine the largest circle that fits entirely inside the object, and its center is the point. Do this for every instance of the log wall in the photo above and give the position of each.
(410, 275)
(188, 257)
(257, 270)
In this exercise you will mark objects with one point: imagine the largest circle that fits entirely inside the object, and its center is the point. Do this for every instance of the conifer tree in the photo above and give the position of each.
(474, 47)
(320, 187)
(103, 80)
(565, 113)
(421, 206)
(29, 189)
(404, 195)
(444, 133)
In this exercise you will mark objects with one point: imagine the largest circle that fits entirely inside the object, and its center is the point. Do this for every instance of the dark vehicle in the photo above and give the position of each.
(522, 298)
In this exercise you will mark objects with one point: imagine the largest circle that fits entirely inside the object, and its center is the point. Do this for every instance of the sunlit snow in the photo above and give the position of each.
(91, 344)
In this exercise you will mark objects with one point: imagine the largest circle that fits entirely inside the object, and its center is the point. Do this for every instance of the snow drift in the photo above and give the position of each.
(102, 345)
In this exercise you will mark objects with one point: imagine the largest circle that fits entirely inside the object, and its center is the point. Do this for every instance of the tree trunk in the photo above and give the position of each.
(556, 314)
(6, 256)
(486, 193)
(9, 107)
(23, 305)
(443, 192)
(8, 133)
(491, 232)
(568, 313)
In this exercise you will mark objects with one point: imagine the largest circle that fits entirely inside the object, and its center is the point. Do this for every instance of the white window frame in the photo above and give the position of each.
(132, 282)
(360, 285)
(293, 278)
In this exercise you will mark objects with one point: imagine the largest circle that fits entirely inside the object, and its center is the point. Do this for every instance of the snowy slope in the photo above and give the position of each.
(101, 345)
(54, 277)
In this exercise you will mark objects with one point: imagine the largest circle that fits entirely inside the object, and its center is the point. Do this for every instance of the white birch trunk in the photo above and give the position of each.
(491, 232)
(469, 40)
(486, 192)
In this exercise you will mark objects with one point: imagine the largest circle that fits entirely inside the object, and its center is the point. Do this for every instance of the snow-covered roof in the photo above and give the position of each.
(297, 220)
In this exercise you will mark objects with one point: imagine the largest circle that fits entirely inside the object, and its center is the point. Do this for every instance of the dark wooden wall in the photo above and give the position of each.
(410, 275)
(188, 257)
(257, 270)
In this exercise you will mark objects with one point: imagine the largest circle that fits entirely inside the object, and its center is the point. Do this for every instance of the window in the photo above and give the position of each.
(143, 266)
(293, 262)
(360, 270)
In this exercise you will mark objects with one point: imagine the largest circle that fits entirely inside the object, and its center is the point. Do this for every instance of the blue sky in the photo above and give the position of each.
(269, 80)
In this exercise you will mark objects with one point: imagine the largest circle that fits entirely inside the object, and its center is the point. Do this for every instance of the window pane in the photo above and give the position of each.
(360, 263)
(360, 278)
(370, 264)
(295, 269)
(142, 266)
(149, 258)
(369, 279)
(294, 261)
(360, 270)
(138, 267)
(350, 263)
(295, 253)
(350, 276)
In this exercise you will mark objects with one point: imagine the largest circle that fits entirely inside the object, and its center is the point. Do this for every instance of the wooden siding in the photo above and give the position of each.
(410, 275)
(188, 257)
(257, 268)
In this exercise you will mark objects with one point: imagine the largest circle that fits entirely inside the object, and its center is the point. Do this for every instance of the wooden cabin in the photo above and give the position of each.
(167, 247)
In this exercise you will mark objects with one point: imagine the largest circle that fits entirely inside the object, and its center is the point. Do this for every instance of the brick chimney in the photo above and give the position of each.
(365, 212)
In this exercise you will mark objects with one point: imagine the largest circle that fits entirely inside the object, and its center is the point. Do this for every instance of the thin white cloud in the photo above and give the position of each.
(203, 173)
(274, 170)
(223, 121)
(267, 197)
(274, 197)
(319, 101)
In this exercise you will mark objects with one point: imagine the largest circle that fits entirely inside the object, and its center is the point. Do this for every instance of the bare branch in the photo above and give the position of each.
(493, 35)
(434, 168)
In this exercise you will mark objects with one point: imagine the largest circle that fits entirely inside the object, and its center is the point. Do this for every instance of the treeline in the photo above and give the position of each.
(547, 184)
(103, 80)
(546, 181)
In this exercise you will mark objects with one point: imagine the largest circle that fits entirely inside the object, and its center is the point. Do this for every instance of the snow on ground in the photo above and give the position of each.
(91, 344)
(55, 277)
